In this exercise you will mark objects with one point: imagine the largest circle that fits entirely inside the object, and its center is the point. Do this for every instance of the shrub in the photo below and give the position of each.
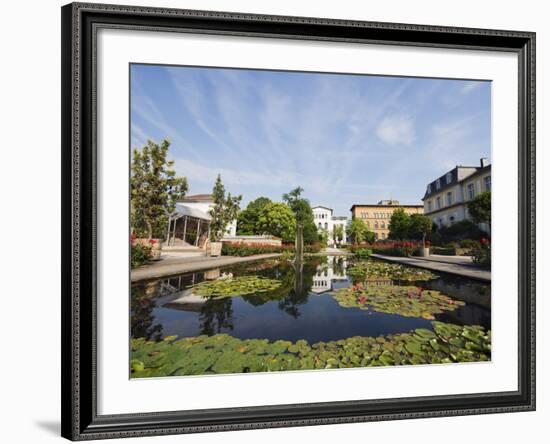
(403, 249)
(470, 243)
(482, 256)
(140, 251)
(444, 251)
(362, 252)
(241, 249)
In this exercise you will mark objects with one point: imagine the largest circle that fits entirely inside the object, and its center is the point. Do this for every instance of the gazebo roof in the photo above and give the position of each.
(184, 210)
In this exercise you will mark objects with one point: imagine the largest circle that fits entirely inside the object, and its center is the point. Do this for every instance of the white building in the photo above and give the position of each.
(325, 221)
(204, 203)
(446, 198)
(328, 275)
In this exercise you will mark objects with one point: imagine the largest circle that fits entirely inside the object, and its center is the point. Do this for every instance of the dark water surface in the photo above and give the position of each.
(302, 308)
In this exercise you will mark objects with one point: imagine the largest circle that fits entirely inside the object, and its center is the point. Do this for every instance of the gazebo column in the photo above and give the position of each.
(174, 232)
(184, 228)
(198, 232)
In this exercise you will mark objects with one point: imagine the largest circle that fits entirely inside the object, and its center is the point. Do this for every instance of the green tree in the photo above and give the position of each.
(303, 213)
(419, 227)
(277, 219)
(359, 231)
(224, 210)
(154, 189)
(399, 224)
(338, 233)
(480, 208)
(247, 222)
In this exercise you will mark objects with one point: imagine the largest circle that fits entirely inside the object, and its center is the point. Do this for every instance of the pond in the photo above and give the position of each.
(328, 298)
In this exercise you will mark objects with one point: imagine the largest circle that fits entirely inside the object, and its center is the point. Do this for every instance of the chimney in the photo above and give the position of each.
(484, 162)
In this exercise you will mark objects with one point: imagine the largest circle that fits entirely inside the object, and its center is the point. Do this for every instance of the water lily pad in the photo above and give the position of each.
(407, 301)
(375, 270)
(236, 286)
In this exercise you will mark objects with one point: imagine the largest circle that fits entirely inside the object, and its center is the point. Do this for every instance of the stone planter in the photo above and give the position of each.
(424, 251)
(215, 248)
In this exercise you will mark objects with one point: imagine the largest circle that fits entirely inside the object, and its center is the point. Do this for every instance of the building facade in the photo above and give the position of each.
(446, 198)
(377, 216)
(325, 221)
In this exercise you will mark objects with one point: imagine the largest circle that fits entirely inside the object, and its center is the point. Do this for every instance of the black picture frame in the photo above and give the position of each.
(80, 22)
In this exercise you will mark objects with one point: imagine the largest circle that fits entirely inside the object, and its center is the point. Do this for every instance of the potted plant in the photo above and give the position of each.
(425, 248)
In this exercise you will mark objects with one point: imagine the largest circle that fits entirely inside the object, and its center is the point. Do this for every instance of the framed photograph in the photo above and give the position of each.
(280, 221)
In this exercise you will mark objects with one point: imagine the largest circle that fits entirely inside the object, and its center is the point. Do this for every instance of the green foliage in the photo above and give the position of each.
(323, 238)
(482, 255)
(338, 233)
(362, 252)
(303, 213)
(236, 286)
(140, 254)
(247, 222)
(464, 229)
(470, 243)
(277, 219)
(400, 224)
(375, 270)
(154, 189)
(406, 301)
(221, 353)
(224, 210)
(238, 249)
(479, 208)
(359, 232)
(419, 227)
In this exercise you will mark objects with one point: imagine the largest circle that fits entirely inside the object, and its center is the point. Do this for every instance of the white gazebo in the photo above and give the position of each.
(185, 222)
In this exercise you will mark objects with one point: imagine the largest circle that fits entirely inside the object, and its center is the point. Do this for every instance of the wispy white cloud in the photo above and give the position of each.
(396, 130)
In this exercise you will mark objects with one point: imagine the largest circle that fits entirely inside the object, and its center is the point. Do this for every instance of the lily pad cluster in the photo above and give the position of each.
(370, 269)
(236, 286)
(409, 301)
(222, 354)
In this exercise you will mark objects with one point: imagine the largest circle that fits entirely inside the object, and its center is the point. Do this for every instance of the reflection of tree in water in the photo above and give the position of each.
(141, 312)
(216, 315)
(303, 281)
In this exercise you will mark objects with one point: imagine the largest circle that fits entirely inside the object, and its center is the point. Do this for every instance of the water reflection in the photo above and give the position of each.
(301, 308)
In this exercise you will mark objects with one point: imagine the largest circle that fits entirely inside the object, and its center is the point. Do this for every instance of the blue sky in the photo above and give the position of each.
(346, 139)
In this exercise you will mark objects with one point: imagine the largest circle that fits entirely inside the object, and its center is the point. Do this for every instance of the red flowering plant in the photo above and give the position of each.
(141, 252)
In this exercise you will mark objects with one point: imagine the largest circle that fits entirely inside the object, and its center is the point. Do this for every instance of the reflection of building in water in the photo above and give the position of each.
(327, 274)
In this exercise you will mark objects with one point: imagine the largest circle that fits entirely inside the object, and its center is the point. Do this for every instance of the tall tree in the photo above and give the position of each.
(338, 233)
(224, 210)
(399, 224)
(154, 189)
(278, 220)
(480, 208)
(359, 231)
(247, 222)
(419, 227)
(303, 213)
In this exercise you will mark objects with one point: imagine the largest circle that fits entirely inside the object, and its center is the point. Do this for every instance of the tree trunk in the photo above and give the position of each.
(149, 229)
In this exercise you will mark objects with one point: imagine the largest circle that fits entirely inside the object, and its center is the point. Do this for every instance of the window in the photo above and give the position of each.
(429, 188)
(383, 225)
(326, 225)
(448, 178)
(429, 206)
(376, 224)
(437, 184)
(438, 202)
(471, 191)
(449, 198)
(487, 183)
(383, 235)
(319, 225)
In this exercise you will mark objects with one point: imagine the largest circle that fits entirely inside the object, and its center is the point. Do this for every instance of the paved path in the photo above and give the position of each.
(445, 267)
(460, 260)
(331, 251)
(176, 265)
